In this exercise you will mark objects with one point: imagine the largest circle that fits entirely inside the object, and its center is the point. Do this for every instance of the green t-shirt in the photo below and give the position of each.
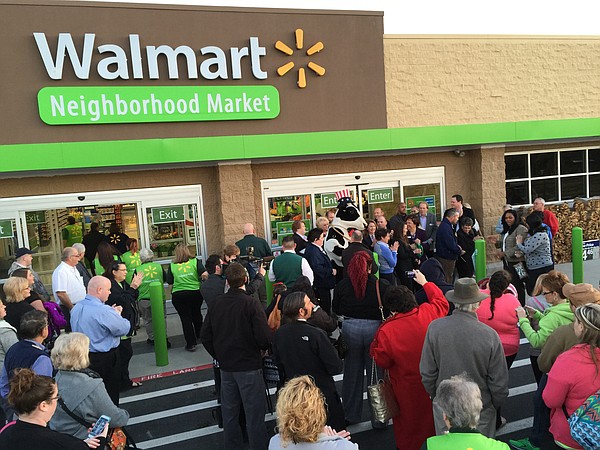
(152, 272)
(462, 441)
(72, 234)
(131, 261)
(185, 276)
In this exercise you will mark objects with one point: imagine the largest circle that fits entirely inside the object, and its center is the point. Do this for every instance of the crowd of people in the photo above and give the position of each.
(404, 306)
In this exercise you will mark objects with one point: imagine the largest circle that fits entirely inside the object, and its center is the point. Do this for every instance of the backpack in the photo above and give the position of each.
(585, 422)
(56, 321)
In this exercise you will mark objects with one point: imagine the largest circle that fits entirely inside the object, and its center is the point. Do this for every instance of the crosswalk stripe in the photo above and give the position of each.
(520, 390)
(169, 391)
(517, 425)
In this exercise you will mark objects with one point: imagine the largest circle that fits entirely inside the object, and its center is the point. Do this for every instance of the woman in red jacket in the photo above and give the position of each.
(575, 375)
(397, 347)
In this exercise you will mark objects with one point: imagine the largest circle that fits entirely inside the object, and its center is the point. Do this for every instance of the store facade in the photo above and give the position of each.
(222, 116)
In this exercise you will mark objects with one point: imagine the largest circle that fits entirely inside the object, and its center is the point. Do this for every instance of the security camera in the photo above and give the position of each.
(357, 177)
(81, 198)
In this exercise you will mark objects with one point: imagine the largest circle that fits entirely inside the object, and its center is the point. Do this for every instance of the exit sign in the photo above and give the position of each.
(167, 214)
(6, 229)
(384, 195)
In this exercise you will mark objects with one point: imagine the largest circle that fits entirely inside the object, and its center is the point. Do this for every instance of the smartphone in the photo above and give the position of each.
(99, 426)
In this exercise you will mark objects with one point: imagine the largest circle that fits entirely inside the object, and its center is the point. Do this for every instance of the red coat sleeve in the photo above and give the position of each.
(380, 350)
(438, 305)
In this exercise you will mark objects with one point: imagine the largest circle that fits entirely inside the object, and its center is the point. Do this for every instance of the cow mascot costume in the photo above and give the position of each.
(347, 219)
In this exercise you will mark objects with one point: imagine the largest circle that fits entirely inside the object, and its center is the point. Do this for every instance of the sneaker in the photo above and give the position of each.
(523, 444)
(191, 349)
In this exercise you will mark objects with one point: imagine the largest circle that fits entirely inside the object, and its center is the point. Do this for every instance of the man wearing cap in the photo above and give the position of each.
(561, 340)
(460, 344)
(23, 261)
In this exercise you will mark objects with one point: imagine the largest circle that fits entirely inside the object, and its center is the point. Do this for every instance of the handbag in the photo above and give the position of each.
(381, 397)
(521, 270)
(380, 393)
(274, 319)
(117, 438)
(584, 423)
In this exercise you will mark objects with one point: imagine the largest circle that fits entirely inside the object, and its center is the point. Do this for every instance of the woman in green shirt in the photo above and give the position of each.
(185, 274)
(106, 255)
(131, 258)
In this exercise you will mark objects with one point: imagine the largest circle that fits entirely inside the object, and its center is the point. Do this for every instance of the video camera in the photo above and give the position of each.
(251, 259)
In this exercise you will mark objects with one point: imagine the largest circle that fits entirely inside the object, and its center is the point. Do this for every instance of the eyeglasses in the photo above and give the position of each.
(547, 293)
(58, 397)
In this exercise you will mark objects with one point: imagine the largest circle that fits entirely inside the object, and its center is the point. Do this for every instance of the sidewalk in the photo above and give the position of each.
(143, 364)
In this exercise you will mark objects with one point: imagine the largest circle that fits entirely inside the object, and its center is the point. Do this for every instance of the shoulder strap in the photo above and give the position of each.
(71, 414)
(379, 299)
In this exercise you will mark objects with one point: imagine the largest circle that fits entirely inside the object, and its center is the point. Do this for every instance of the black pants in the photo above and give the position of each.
(125, 354)
(108, 366)
(324, 296)
(188, 305)
(67, 313)
(515, 280)
(537, 373)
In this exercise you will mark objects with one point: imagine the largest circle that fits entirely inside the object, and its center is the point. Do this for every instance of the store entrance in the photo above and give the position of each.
(49, 231)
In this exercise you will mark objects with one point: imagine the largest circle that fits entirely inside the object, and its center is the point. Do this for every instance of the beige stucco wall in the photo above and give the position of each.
(447, 80)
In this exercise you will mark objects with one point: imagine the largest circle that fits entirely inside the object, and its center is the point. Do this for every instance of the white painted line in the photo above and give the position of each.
(521, 363)
(520, 390)
(523, 341)
(169, 391)
(519, 425)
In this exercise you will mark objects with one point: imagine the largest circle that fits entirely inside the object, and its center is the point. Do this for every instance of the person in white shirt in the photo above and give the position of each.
(67, 283)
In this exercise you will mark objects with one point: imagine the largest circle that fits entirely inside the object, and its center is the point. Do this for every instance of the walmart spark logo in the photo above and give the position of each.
(282, 70)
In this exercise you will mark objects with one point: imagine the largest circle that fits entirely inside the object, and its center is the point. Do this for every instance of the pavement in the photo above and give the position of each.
(143, 364)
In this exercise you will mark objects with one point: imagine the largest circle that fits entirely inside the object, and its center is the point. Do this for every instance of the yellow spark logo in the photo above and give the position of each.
(184, 267)
(316, 48)
(150, 271)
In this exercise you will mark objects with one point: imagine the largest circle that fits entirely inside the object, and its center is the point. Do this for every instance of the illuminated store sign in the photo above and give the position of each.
(120, 104)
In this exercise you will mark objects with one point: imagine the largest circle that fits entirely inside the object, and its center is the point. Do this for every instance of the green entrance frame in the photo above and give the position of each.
(72, 155)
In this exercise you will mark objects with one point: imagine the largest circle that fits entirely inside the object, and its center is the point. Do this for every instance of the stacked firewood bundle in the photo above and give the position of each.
(584, 214)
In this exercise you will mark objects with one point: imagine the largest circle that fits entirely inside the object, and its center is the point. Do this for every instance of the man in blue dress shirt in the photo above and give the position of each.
(104, 326)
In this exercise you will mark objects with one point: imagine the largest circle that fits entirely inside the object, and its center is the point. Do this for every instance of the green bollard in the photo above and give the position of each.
(158, 323)
(480, 260)
(269, 288)
(577, 254)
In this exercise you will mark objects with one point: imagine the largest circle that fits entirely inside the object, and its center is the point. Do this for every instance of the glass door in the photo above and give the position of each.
(384, 196)
(171, 225)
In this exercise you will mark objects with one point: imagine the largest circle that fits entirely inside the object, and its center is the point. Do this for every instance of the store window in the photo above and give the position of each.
(430, 193)
(558, 175)
(8, 246)
(386, 198)
(283, 211)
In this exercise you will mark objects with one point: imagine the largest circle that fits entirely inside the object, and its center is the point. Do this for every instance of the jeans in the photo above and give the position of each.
(541, 416)
(359, 334)
(245, 389)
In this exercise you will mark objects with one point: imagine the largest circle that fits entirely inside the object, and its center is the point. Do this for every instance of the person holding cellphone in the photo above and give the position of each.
(35, 398)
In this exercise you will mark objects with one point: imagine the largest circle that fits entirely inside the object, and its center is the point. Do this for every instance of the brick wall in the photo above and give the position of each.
(441, 80)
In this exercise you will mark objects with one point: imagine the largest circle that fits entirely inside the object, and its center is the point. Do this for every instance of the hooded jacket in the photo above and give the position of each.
(8, 337)
(549, 320)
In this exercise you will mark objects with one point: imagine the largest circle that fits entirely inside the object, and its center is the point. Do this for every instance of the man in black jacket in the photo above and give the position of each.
(302, 349)
(320, 264)
(356, 245)
(239, 356)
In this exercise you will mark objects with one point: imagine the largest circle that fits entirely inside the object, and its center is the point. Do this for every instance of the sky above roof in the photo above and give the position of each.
(520, 17)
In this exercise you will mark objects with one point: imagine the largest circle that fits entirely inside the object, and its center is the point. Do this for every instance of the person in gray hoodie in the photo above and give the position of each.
(81, 390)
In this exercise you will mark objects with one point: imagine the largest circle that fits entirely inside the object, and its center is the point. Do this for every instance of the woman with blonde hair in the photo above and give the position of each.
(81, 390)
(185, 274)
(301, 417)
(34, 298)
(17, 290)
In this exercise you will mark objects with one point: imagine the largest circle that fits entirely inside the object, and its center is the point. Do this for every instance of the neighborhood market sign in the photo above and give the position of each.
(127, 104)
